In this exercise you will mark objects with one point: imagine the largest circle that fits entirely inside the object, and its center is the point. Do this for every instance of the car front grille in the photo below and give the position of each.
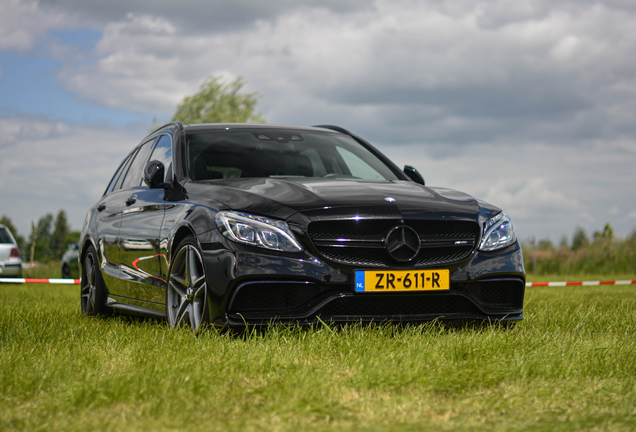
(363, 242)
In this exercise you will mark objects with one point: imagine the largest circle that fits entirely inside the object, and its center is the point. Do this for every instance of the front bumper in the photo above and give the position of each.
(342, 306)
(255, 288)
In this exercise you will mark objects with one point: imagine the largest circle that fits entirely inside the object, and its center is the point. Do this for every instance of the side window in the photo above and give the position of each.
(163, 153)
(115, 182)
(133, 176)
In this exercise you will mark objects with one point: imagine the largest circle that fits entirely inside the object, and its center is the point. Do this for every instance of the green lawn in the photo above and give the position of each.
(570, 365)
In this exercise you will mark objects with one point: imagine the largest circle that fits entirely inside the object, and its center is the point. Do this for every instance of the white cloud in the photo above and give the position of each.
(141, 67)
(23, 23)
(48, 165)
(208, 16)
(547, 190)
(407, 70)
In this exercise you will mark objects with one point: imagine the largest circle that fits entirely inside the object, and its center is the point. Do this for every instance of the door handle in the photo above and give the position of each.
(131, 200)
(101, 207)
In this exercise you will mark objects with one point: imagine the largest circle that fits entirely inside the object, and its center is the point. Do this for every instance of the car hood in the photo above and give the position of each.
(316, 198)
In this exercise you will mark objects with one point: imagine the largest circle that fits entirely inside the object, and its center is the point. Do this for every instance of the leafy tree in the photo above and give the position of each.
(579, 239)
(60, 230)
(545, 245)
(219, 102)
(52, 236)
(606, 234)
(43, 237)
(72, 237)
(6, 221)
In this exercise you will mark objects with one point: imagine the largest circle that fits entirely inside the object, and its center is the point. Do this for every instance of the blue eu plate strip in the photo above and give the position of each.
(359, 281)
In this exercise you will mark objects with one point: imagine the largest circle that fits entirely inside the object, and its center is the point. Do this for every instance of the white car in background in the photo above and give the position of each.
(10, 261)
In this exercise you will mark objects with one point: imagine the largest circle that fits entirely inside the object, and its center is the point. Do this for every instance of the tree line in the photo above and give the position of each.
(598, 254)
(48, 239)
(580, 239)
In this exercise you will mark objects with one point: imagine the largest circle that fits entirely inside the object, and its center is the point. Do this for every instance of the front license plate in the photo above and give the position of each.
(402, 280)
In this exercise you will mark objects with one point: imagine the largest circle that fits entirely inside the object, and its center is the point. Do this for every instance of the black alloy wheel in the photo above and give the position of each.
(94, 292)
(187, 293)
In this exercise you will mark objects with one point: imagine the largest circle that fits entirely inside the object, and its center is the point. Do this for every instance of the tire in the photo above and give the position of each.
(187, 291)
(66, 273)
(93, 289)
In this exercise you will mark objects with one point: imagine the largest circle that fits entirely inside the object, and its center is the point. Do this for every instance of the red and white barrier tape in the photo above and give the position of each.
(44, 281)
(587, 283)
(529, 284)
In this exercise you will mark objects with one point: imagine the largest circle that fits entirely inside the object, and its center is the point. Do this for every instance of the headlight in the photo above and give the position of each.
(257, 231)
(498, 233)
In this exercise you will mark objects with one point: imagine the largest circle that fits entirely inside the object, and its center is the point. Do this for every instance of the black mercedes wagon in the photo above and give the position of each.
(250, 224)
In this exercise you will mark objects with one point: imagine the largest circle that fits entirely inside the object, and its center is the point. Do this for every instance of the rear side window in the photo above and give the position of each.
(5, 237)
(117, 178)
(133, 176)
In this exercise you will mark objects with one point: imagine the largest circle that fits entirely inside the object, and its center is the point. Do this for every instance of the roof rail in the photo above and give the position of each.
(335, 128)
(176, 123)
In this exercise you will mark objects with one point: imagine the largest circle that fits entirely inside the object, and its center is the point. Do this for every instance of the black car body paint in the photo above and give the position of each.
(341, 222)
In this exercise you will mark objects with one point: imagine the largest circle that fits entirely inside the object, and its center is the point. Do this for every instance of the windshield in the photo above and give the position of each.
(280, 153)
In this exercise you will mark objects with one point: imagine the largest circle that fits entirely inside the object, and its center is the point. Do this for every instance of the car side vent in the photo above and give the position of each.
(272, 295)
(498, 293)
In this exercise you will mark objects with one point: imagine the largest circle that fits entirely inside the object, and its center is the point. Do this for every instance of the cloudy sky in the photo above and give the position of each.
(530, 105)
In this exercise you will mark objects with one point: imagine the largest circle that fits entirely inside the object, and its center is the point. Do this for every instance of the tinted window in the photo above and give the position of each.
(163, 153)
(280, 153)
(133, 176)
(124, 170)
(117, 178)
(4, 236)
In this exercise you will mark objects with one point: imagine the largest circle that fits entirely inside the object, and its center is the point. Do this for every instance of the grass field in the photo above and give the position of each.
(569, 366)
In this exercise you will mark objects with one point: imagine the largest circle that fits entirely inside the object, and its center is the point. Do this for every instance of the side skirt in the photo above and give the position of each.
(134, 309)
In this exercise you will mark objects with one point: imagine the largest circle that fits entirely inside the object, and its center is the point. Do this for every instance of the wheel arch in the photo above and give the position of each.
(182, 232)
(88, 242)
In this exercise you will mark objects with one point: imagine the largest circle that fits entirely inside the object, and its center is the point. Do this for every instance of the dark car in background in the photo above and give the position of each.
(10, 260)
(240, 224)
(70, 263)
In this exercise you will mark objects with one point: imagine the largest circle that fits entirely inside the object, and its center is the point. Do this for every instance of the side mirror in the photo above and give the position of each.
(413, 174)
(154, 174)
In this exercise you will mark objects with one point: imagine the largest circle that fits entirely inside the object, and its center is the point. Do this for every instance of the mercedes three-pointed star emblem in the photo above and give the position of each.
(403, 243)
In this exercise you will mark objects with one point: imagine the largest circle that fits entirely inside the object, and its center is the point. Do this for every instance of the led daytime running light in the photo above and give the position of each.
(257, 231)
(498, 233)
